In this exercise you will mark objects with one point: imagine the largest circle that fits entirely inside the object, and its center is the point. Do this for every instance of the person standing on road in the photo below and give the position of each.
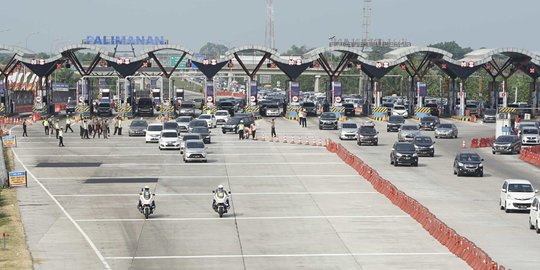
(61, 138)
(115, 125)
(68, 124)
(46, 126)
(81, 130)
(86, 129)
(105, 128)
(97, 129)
(120, 126)
(56, 127)
(253, 128)
(247, 132)
(241, 130)
(273, 128)
(24, 134)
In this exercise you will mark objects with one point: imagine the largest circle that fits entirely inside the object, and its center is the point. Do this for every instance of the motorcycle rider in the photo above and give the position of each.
(220, 192)
(145, 193)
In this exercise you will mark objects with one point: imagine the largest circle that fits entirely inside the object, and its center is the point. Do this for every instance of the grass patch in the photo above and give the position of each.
(16, 254)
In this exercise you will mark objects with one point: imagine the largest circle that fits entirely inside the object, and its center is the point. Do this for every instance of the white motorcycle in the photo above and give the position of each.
(221, 202)
(147, 204)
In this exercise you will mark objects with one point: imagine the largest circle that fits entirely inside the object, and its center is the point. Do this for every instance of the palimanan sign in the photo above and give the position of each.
(125, 40)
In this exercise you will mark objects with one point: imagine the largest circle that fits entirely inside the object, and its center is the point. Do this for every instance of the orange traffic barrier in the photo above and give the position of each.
(474, 143)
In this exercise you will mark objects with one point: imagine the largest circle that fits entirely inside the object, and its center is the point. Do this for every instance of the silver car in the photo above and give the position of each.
(195, 150)
(187, 137)
(183, 123)
(408, 132)
(446, 131)
(349, 131)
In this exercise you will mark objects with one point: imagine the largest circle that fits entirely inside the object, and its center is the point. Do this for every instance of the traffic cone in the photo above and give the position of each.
(277, 138)
(463, 145)
(314, 142)
(299, 139)
(262, 138)
(284, 139)
(325, 143)
(292, 139)
(307, 140)
(320, 142)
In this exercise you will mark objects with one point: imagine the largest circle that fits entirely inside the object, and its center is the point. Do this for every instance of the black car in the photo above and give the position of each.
(71, 106)
(197, 123)
(424, 146)
(328, 120)
(367, 135)
(145, 106)
(434, 109)
(508, 144)
(349, 109)
(429, 122)
(394, 123)
(204, 132)
(104, 109)
(226, 105)
(403, 153)
(171, 125)
(490, 116)
(138, 128)
(232, 124)
(311, 109)
(468, 163)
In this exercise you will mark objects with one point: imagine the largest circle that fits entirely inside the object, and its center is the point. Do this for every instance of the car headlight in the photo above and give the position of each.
(375, 137)
(431, 147)
(416, 146)
(398, 155)
(361, 136)
(415, 155)
(480, 165)
(460, 164)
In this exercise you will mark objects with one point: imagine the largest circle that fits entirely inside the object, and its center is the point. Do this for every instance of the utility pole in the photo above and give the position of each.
(269, 40)
(366, 20)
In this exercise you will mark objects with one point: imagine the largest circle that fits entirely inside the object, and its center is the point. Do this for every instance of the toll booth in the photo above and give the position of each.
(156, 96)
(505, 124)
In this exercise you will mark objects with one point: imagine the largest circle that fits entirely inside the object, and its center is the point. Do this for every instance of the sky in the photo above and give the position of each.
(46, 26)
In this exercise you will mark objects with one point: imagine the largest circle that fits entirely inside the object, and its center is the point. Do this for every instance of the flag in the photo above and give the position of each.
(18, 81)
(33, 80)
(11, 80)
(25, 81)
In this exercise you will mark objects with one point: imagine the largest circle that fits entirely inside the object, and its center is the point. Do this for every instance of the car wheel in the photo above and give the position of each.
(335, 128)
(454, 172)
(481, 174)
(395, 163)
(415, 164)
(341, 138)
(320, 128)
(359, 143)
(537, 228)
(501, 205)
(223, 131)
(493, 152)
(387, 130)
(433, 154)
(391, 162)
(436, 137)
(531, 226)
(506, 210)
(458, 174)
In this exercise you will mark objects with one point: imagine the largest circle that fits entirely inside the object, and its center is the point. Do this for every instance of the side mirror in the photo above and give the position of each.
(536, 191)
(433, 142)
(377, 132)
(393, 149)
(503, 190)
(229, 192)
(481, 159)
(153, 194)
(213, 191)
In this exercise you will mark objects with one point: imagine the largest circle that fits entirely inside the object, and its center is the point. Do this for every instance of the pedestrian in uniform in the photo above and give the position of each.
(61, 138)
(105, 128)
(115, 125)
(86, 129)
(120, 126)
(46, 125)
(273, 128)
(241, 130)
(24, 134)
(97, 129)
(91, 129)
(304, 118)
(56, 127)
(68, 124)
(81, 130)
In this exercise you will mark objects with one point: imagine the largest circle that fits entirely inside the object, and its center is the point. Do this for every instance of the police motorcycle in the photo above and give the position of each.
(220, 203)
(146, 202)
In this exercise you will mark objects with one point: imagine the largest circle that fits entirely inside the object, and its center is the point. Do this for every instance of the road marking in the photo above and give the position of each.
(238, 218)
(286, 255)
(146, 165)
(85, 236)
(177, 154)
(235, 194)
(209, 176)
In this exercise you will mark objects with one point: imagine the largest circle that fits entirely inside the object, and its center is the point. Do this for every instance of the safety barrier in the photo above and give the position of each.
(457, 244)
(482, 142)
(379, 112)
(422, 112)
(297, 140)
(2, 109)
(205, 109)
(531, 155)
(465, 118)
(83, 110)
(382, 118)
(507, 110)
(248, 108)
(5, 120)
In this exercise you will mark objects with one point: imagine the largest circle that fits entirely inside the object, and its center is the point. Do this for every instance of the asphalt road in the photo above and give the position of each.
(293, 206)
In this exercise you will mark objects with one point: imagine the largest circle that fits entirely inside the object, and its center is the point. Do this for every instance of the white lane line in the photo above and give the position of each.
(238, 218)
(285, 255)
(235, 194)
(174, 154)
(207, 176)
(143, 165)
(232, 146)
(85, 236)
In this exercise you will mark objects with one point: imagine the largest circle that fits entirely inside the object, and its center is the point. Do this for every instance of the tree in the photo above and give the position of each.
(377, 53)
(213, 50)
(297, 51)
(452, 47)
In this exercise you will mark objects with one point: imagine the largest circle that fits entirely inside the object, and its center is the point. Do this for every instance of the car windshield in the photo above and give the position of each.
(272, 106)
(191, 137)
(139, 123)
(399, 107)
(348, 105)
(396, 119)
(200, 123)
(520, 188)
(221, 113)
(504, 139)
(420, 139)
(349, 125)
(169, 135)
(145, 101)
(183, 120)
(445, 126)
(205, 116)
(233, 121)
(105, 105)
(368, 130)
(308, 104)
(328, 115)
(187, 105)
(197, 144)
(72, 103)
(409, 127)
(155, 128)
(226, 104)
(469, 157)
(428, 119)
(200, 130)
(490, 112)
(405, 147)
(170, 125)
(530, 131)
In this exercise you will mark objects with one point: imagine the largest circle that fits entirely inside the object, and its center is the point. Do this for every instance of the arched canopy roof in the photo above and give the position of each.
(483, 56)
(230, 53)
(15, 49)
(143, 54)
(314, 54)
(80, 47)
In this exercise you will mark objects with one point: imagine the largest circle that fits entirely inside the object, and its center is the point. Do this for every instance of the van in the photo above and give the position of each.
(534, 215)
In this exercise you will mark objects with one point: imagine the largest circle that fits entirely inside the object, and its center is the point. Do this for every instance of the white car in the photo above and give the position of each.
(168, 139)
(530, 135)
(349, 131)
(210, 119)
(534, 215)
(222, 116)
(400, 110)
(516, 194)
(153, 131)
